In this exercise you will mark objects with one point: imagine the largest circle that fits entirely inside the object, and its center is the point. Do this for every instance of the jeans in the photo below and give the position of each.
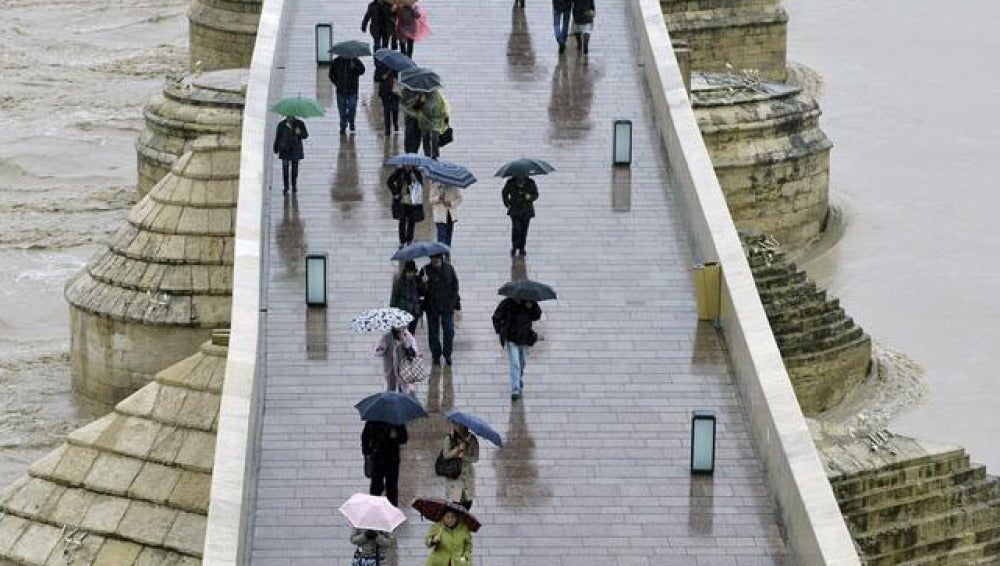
(385, 475)
(411, 134)
(407, 222)
(560, 25)
(287, 164)
(347, 106)
(437, 320)
(390, 112)
(445, 230)
(519, 231)
(517, 355)
(430, 140)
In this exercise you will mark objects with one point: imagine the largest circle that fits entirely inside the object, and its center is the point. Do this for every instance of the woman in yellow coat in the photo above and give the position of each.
(451, 542)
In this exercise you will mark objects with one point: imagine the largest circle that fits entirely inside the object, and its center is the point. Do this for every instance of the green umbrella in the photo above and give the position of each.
(351, 49)
(299, 107)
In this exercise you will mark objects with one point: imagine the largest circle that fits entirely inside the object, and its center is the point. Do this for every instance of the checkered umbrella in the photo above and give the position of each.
(381, 320)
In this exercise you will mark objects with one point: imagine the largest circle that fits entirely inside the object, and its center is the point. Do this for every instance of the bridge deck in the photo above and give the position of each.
(595, 470)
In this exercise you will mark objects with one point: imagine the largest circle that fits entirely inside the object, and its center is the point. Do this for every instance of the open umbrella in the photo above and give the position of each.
(381, 320)
(412, 159)
(394, 59)
(449, 173)
(527, 290)
(352, 49)
(420, 79)
(373, 512)
(298, 107)
(434, 508)
(475, 424)
(420, 249)
(524, 167)
(390, 407)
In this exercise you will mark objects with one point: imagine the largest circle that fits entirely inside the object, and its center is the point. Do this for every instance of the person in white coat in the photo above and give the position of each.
(445, 200)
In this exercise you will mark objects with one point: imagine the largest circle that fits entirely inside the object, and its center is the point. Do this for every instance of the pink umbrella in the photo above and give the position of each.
(365, 511)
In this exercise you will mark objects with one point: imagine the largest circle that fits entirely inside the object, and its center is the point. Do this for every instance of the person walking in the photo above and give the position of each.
(461, 444)
(407, 289)
(512, 322)
(432, 114)
(344, 74)
(583, 23)
(394, 347)
(519, 196)
(561, 12)
(411, 102)
(450, 541)
(445, 200)
(288, 145)
(441, 300)
(381, 441)
(380, 18)
(386, 78)
(410, 26)
(406, 185)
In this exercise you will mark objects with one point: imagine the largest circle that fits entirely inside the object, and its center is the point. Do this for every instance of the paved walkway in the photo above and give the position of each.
(595, 470)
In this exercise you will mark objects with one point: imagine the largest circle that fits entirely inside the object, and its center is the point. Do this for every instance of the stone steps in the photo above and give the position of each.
(853, 334)
(903, 541)
(898, 474)
(967, 554)
(874, 499)
(819, 335)
(804, 323)
(934, 502)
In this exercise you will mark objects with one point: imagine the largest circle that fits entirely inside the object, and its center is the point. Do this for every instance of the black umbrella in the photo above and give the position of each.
(420, 79)
(390, 407)
(524, 167)
(351, 49)
(527, 290)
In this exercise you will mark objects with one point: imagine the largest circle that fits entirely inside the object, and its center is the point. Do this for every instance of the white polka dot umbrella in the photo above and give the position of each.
(381, 320)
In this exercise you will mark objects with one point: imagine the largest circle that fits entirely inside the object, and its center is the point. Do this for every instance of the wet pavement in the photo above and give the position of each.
(595, 464)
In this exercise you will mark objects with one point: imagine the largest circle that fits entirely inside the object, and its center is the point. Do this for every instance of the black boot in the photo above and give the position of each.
(579, 42)
(586, 43)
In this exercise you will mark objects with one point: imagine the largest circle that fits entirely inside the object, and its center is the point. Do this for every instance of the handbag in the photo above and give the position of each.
(449, 468)
(369, 465)
(416, 193)
(397, 209)
(411, 368)
(446, 137)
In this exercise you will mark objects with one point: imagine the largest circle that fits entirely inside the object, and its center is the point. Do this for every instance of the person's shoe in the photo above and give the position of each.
(520, 383)
(295, 189)
(523, 253)
(343, 131)
(386, 132)
(515, 395)
(447, 360)
(395, 127)
(285, 191)
(436, 362)
(562, 48)
(352, 128)
(513, 252)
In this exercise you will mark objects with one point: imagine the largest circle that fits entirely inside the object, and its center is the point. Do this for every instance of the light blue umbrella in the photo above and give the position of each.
(412, 159)
(420, 249)
(449, 173)
(477, 425)
(390, 407)
(394, 59)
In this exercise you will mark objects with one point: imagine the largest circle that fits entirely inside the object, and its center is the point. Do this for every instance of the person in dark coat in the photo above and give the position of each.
(583, 23)
(381, 20)
(344, 74)
(441, 300)
(512, 322)
(407, 289)
(406, 185)
(411, 102)
(519, 195)
(561, 12)
(386, 78)
(288, 145)
(381, 441)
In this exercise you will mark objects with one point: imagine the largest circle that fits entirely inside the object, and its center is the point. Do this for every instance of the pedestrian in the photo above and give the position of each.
(288, 145)
(450, 540)
(461, 444)
(445, 200)
(410, 25)
(561, 12)
(395, 347)
(512, 322)
(372, 547)
(344, 73)
(407, 289)
(407, 187)
(386, 78)
(409, 99)
(583, 23)
(432, 114)
(441, 300)
(380, 18)
(380, 441)
(519, 196)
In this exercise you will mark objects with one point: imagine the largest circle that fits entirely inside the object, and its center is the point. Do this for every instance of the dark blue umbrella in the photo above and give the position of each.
(527, 290)
(449, 173)
(477, 425)
(391, 407)
(421, 249)
(412, 159)
(351, 49)
(524, 167)
(420, 79)
(394, 60)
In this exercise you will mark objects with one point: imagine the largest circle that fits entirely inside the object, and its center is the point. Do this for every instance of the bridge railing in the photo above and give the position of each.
(815, 530)
(234, 474)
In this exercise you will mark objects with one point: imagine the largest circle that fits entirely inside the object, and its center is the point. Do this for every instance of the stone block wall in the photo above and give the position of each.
(222, 33)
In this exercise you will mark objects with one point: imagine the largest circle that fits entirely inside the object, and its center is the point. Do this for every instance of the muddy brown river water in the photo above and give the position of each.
(910, 100)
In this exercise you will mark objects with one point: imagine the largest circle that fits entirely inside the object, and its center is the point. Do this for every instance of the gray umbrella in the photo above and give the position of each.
(351, 49)
(420, 79)
(524, 167)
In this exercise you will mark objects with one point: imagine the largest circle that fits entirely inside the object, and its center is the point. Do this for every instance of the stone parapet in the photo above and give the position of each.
(194, 106)
(741, 34)
(129, 488)
(769, 154)
(164, 280)
(222, 33)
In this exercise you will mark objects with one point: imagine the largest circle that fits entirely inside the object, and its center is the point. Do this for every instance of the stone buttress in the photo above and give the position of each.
(222, 33)
(131, 488)
(165, 279)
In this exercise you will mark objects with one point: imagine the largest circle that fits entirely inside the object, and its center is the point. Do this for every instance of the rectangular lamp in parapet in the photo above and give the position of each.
(316, 280)
(622, 153)
(702, 442)
(324, 40)
(708, 290)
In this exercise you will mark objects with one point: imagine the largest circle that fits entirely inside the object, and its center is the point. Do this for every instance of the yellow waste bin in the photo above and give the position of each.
(707, 290)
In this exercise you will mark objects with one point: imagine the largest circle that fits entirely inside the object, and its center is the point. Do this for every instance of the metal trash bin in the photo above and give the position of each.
(707, 289)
